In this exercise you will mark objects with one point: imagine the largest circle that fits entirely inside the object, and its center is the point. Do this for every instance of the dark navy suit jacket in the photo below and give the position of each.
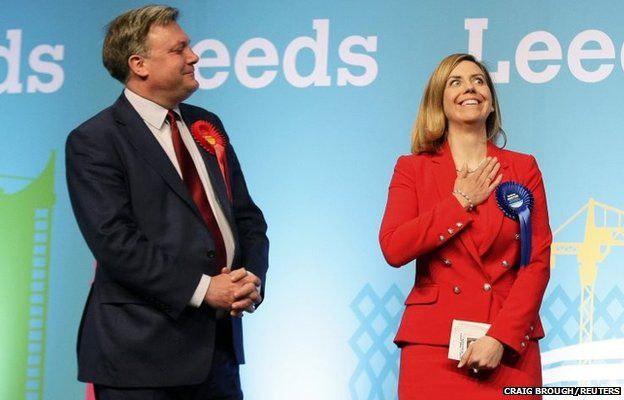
(152, 247)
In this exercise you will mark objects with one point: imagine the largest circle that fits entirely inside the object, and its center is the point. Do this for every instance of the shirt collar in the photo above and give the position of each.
(152, 113)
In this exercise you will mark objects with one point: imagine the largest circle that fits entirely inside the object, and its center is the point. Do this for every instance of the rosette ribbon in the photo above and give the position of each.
(516, 202)
(211, 139)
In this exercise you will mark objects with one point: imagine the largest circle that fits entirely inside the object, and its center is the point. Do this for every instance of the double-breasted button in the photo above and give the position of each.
(441, 237)
(456, 290)
(505, 263)
(446, 261)
(527, 337)
(531, 328)
(487, 287)
(523, 344)
(211, 254)
(459, 224)
(451, 231)
(517, 236)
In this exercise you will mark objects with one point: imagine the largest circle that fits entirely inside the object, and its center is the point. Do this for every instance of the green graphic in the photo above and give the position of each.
(25, 227)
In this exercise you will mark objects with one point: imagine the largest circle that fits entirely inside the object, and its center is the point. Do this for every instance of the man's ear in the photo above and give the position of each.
(138, 66)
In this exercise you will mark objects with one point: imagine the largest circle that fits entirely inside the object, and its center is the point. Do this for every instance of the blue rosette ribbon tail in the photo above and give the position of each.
(516, 202)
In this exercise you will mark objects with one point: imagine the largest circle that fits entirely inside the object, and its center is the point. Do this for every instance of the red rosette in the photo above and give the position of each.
(207, 135)
(211, 139)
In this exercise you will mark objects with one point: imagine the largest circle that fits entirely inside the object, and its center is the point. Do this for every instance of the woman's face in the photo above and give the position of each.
(467, 97)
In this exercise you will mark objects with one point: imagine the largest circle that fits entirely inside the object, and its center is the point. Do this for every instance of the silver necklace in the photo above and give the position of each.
(470, 171)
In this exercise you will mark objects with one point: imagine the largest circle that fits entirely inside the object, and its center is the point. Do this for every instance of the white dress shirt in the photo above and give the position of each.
(155, 117)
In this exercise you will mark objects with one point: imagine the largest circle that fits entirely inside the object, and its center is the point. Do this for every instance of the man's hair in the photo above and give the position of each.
(127, 35)
(430, 129)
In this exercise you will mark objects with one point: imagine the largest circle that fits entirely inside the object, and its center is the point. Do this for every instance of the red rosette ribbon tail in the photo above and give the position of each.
(222, 160)
(209, 137)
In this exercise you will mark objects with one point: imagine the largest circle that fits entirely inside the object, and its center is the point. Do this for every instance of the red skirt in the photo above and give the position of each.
(427, 373)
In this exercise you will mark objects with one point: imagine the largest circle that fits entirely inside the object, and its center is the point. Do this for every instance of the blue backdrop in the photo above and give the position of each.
(319, 98)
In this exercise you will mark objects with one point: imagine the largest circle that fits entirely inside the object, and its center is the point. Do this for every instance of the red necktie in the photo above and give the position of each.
(195, 188)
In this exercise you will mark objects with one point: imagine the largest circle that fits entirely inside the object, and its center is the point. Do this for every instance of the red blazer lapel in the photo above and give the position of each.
(496, 215)
(446, 173)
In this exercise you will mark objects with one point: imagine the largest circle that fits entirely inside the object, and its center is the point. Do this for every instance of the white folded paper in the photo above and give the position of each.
(462, 334)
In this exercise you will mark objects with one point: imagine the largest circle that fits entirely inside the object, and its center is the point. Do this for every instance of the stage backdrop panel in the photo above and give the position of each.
(319, 98)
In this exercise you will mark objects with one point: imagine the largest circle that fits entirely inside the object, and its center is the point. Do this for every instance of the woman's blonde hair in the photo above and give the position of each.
(429, 132)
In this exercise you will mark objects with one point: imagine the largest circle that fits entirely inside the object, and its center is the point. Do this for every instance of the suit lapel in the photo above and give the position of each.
(445, 175)
(212, 167)
(495, 214)
(148, 147)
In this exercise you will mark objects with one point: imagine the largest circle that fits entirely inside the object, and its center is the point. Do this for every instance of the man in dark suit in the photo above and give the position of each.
(181, 248)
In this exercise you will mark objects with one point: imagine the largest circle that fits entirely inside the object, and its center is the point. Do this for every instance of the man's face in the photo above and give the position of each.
(169, 62)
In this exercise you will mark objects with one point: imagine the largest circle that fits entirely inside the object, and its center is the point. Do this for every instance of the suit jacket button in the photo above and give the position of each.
(517, 236)
(505, 263)
(211, 254)
(523, 344)
(487, 287)
(459, 224)
(527, 337)
(451, 231)
(456, 290)
(446, 261)
(441, 238)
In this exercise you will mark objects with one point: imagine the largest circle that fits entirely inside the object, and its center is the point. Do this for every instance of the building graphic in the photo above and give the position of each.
(25, 229)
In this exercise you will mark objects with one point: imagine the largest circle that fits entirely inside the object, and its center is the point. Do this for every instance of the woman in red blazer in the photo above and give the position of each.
(442, 212)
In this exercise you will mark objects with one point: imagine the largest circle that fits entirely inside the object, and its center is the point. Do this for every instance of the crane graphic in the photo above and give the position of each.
(604, 230)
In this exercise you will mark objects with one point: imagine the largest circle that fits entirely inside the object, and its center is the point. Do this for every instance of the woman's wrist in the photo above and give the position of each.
(464, 200)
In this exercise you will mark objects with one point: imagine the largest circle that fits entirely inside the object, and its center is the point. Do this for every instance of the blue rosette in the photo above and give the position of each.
(516, 202)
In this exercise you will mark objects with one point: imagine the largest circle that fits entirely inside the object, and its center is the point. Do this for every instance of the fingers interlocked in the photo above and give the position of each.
(247, 295)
